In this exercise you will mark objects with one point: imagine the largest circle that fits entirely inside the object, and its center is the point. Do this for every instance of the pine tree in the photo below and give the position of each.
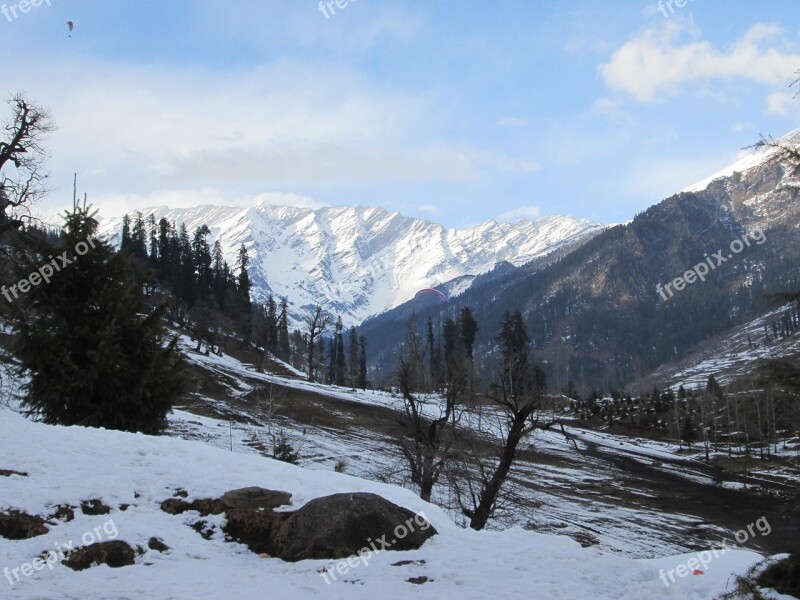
(243, 287)
(125, 240)
(269, 330)
(139, 238)
(514, 340)
(219, 274)
(201, 256)
(469, 329)
(152, 231)
(688, 430)
(352, 358)
(340, 368)
(362, 363)
(452, 347)
(165, 258)
(92, 358)
(435, 357)
(331, 377)
(272, 323)
(187, 289)
(284, 348)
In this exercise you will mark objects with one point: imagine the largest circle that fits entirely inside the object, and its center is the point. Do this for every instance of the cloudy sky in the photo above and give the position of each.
(453, 110)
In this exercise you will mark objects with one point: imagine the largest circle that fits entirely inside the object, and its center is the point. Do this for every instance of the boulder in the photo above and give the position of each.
(205, 506)
(157, 544)
(255, 528)
(94, 508)
(341, 525)
(115, 554)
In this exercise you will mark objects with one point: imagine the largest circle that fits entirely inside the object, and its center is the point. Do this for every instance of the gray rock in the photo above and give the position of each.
(341, 525)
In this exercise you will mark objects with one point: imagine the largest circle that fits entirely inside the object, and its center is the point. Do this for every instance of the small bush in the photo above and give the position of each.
(283, 450)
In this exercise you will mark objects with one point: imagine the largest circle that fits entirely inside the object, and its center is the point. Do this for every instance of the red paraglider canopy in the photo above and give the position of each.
(441, 295)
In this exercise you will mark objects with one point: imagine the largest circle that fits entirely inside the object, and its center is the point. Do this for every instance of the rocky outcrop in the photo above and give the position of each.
(331, 527)
(16, 525)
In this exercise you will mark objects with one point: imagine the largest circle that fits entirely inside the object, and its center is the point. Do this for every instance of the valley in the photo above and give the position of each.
(624, 495)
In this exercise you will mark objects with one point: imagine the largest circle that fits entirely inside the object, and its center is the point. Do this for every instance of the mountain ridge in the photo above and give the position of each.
(358, 261)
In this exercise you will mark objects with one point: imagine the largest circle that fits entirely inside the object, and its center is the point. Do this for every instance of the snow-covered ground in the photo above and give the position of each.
(68, 465)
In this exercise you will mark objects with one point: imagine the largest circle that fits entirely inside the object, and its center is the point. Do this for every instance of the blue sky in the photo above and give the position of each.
(450, 110)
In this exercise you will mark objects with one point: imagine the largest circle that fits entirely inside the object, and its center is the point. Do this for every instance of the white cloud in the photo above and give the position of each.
(658, 61)
(778, 103)
(611, 109)
(528, 166)
(521, 213)
(741, 127)
(515, 165)
(513, 122)
(149, 130)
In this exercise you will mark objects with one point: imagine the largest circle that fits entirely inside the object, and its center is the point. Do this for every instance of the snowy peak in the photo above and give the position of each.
(358, 261)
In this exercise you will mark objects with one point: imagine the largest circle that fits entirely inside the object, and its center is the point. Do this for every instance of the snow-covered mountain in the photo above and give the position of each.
(359, 261)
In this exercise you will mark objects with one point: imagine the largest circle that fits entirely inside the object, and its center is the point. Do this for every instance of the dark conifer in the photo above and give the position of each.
(93, 355)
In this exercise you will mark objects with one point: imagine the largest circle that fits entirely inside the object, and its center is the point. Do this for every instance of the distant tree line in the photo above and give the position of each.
(753, 417)
(202, 287)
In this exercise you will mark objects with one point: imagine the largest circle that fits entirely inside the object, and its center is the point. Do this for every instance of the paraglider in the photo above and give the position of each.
(431, 290)
(70, 27)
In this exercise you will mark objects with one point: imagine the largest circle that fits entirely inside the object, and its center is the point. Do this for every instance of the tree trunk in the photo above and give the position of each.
(491, 491)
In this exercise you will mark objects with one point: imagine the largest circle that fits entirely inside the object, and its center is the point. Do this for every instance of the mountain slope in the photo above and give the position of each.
(360, 261)
(595, 315)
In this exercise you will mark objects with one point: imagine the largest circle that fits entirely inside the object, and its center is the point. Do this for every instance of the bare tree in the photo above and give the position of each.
(519, 414)
(22, 157)
(316, 323)
(706, 420)
(518, 398)
(426, 440)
